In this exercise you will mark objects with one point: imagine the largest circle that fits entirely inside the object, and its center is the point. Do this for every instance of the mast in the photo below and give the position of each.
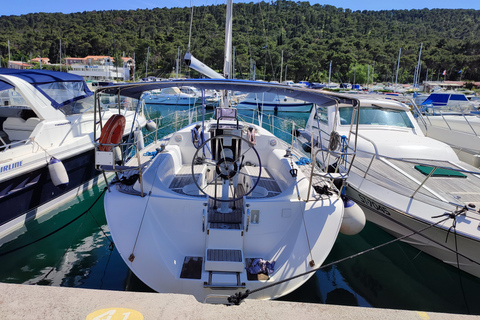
(146, 66)
(398, 66)
(233, 62)
(355, 73)
(227, 65)
(329, 73)
(8, 66)
(281, 68)
(417, 73)
(178, 60)
(60, 54)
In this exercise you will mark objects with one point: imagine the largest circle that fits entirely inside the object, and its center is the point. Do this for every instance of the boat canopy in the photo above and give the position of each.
(60, 88)
(442, 99)
(5, 86)
(135, 90)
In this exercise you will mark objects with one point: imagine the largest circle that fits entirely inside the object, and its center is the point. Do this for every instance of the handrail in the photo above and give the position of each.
(6, 147)
(421, 185)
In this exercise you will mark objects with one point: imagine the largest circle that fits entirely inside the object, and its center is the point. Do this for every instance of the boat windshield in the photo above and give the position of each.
(84, 105)
(61, 93)
(376, 116)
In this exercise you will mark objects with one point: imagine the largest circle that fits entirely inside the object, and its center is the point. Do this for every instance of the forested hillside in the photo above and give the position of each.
(310, 36)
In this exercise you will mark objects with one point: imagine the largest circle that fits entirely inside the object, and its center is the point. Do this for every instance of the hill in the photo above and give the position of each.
(310, 36)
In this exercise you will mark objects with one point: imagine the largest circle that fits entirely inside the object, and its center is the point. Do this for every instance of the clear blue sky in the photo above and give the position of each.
(18, 7)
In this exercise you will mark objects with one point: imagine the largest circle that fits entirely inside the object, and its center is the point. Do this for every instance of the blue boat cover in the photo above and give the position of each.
(441, 99)
(60, 88)
(5, 86)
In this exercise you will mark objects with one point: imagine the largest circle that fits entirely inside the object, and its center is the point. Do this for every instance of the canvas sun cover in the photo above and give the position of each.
(60, 88)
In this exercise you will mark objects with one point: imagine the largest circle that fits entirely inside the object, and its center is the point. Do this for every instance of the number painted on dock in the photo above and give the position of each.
(115, 314)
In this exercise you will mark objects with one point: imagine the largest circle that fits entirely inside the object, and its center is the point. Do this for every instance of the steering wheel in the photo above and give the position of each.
(226, 168)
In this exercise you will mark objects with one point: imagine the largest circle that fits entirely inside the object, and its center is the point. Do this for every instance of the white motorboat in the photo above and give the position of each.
(272, 101)
(173, 96)
(412, 186)
(221, 205)
(453, 119)
(46, 142)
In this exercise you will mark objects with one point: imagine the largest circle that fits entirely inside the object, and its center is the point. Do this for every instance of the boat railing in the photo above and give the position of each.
(4, 147)
(428, 111)
(416, 185)
(166, 125)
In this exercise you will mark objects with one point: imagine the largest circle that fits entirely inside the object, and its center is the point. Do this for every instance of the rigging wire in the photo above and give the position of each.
(190, 35)
(238, 297)
(266, 43)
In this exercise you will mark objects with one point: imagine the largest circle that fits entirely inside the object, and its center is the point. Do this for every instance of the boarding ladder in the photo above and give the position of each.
(224, 260)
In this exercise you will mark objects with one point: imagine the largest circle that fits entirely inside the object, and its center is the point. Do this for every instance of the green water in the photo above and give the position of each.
(396, 276)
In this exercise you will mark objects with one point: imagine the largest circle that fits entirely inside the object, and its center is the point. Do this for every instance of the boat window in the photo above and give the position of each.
(63, 92)
(322, 114)
(10, 98)
(376, 116)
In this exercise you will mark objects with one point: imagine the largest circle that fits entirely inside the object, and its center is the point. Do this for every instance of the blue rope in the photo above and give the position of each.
(344, 147)
(302, 161)
(151, 154)
(197, 138)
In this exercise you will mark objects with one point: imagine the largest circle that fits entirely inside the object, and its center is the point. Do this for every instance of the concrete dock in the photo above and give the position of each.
(42, 302)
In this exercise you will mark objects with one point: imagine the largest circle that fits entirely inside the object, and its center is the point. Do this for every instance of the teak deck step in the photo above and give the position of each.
(226, 260)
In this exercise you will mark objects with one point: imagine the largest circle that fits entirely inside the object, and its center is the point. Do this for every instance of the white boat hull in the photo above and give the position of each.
(166, 237)
(436, 241)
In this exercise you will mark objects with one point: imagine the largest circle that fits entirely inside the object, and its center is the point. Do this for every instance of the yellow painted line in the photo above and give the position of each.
(115, 314)
(423, 315)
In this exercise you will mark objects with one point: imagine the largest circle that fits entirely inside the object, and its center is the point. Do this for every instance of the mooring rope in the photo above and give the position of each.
(238, 297)
(60, 228)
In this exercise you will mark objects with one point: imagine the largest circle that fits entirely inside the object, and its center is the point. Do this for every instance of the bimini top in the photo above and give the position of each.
(60, 88)
(135, 90)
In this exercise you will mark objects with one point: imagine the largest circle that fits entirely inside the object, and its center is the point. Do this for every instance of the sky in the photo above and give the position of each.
(20, 7)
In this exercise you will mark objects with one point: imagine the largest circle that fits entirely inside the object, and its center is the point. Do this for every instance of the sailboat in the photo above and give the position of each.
(222, 208)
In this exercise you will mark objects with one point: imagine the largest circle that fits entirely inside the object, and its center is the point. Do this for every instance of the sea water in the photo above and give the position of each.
(72, 248)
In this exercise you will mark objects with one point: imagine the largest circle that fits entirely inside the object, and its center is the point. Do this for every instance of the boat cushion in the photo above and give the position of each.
(439, 172)
(18, 128)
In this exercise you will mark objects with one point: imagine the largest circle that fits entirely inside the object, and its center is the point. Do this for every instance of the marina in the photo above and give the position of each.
(229, 191)
(60, 253)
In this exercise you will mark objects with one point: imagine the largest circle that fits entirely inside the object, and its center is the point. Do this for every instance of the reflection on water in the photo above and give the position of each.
(396, 276)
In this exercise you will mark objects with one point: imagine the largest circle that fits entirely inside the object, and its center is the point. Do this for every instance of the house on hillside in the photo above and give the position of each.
(19, 65)
(101, 68)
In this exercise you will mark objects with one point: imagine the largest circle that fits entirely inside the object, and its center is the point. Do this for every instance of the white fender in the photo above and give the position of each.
(138, 138)
(151, 126)
(58, 174)
(353, 218)
(118, 154)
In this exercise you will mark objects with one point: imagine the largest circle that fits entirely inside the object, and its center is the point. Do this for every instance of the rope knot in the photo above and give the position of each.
(238, 297)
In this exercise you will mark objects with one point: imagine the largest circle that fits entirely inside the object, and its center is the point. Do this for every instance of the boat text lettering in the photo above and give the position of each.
(374, 205)
(10, 166)
(62, 124)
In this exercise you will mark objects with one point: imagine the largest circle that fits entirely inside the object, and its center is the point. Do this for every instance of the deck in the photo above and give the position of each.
(403, 178)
